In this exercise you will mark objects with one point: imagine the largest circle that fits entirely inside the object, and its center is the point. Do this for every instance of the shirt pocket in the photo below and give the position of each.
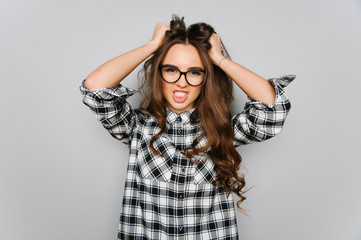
(204, 170)
(152, 166)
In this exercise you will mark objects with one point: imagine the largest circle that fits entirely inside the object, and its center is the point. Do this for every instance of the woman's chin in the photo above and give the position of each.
(179, 107)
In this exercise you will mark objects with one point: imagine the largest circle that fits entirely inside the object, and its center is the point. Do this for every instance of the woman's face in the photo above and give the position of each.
(180, 96)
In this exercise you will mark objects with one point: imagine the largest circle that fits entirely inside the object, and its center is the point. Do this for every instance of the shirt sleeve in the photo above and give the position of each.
(260, 121)
(112, 110)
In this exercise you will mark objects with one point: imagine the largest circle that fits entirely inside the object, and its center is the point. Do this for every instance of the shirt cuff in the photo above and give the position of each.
(108, 93)
(281, 97)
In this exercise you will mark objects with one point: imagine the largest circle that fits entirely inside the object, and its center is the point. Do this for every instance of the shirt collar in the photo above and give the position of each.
(184, 117)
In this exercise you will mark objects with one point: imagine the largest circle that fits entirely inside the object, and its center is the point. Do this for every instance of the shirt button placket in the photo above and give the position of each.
(181, 204)
(180, 212)
(178, 125)
(181, 187)
(181, 229)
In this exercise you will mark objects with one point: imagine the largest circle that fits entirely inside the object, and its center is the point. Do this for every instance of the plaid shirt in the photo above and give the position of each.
(170, 197)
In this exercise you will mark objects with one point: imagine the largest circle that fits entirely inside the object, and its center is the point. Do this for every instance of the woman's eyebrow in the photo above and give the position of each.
(169, 65)
(190, 68)
(195, 68)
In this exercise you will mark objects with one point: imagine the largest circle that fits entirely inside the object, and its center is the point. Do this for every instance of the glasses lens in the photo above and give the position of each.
(170, 74)
(195, 77)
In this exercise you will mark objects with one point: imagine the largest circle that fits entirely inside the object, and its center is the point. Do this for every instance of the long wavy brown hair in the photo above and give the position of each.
(212, 107)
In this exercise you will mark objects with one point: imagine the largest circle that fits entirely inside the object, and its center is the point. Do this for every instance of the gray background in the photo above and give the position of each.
(62, 174)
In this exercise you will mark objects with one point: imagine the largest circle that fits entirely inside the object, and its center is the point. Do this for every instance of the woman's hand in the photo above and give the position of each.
(159, 33)
(115, 70)
(215, 52)
(253, 85)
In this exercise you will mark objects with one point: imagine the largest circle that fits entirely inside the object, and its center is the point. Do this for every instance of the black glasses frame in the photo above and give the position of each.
(182, 73)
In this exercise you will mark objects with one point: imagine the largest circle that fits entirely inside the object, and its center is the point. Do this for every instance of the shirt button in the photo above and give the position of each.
(183, 169)
(181, 229)
(181, 197)
(179, 131)
(179, 119)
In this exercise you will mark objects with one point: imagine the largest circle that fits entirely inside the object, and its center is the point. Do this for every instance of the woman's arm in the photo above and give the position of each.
(115, 70)
(253, 85)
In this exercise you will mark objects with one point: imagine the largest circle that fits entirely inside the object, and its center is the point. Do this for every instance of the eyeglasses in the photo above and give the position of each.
(172, 74)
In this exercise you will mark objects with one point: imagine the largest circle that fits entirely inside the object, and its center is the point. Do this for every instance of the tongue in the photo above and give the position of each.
(179, 99)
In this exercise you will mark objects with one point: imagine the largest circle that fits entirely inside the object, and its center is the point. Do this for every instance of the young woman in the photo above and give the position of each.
(183, 163)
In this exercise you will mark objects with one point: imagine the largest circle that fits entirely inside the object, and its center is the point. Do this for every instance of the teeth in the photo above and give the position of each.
(180, 94)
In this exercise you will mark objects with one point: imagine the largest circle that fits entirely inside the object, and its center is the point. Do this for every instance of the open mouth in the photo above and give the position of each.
(180, 96)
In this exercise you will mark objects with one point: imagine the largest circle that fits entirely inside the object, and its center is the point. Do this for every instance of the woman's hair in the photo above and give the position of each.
(212, 107)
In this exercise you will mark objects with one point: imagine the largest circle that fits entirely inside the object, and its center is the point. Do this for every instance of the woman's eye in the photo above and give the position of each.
(195, 73)
(171, 70)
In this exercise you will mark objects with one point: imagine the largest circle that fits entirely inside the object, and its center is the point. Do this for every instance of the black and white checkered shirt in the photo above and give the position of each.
(170, 197)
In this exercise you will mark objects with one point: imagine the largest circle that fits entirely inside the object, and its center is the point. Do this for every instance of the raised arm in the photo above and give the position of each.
(253, 85)
(111, 73)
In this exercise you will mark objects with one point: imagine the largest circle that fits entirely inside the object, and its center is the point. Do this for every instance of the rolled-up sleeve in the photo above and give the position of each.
(260, 121)
(111, 108)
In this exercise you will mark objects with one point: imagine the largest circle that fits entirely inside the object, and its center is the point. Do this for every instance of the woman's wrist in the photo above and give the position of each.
(218, 60)
(152, 45)
(219, 63)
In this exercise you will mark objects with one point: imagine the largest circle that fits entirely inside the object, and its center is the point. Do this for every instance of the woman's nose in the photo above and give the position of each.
(182, 81)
